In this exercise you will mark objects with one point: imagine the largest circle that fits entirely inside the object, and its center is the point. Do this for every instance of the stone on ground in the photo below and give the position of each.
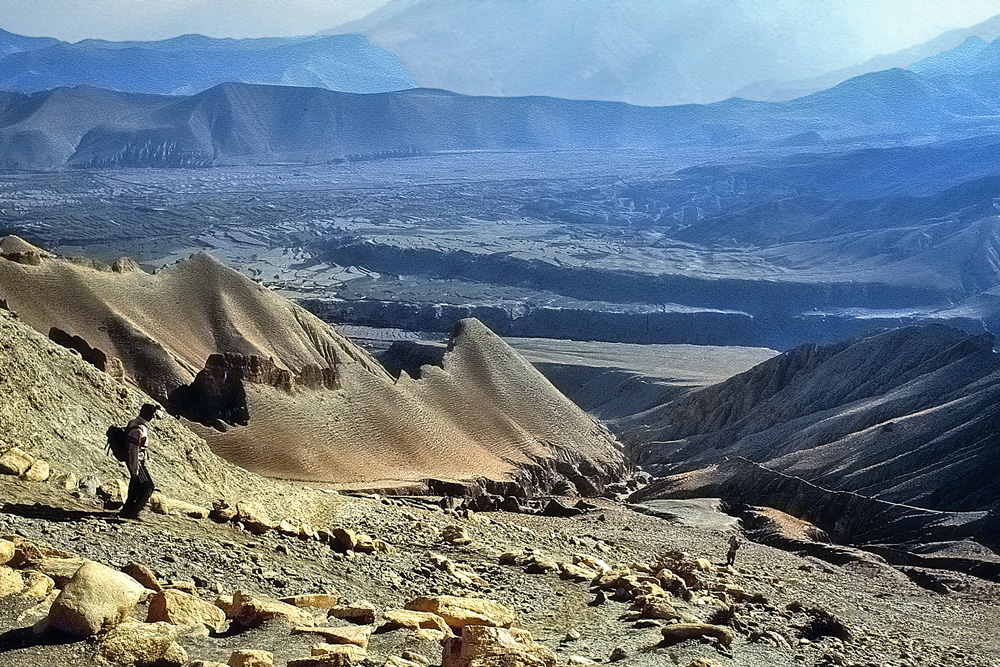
(459, 612)
(11, 582)
(361, 612)
(142, 644)
(37, 585)
(415, 620)
(680, 632)
(7, 550)
(38, 472)
(143, 575)
(15, 462)
(95, 599)
(249, 658)
(317, 600)
(356, 635)
(251, 611)
(185, 610)
(253, 517)
(486, 646)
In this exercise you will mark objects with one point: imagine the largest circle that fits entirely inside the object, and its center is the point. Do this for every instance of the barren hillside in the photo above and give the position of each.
(281, 393)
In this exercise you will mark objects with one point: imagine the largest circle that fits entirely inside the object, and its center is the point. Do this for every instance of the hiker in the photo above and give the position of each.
(734, 545)
(140, 486)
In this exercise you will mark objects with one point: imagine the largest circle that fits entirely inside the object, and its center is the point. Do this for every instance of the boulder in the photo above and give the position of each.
(225, 603)
(459, 612)
(37, 585)
(113, 491)
(247, 658)
(317, 600)
(253, 517)
(250, 611)
(96, 598)
(142, 644)
(38, 472)
(356, 635)
(61, 570)
(222, 511)
(185, 610)
(456, 535)
(11, 582)
(660, 609)
(679, 632)
(7, 550)
(415, 620)
(143, 575)
(331, 655)
(361, 613)
(343, 539)
(15, 462)
(160, 504)
(702, 564)
(484, 646)
(66, 481)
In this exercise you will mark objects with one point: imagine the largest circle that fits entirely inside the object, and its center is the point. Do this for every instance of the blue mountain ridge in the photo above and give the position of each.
(193, 63)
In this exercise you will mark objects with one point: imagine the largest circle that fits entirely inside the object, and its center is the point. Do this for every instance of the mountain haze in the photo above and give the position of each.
(192, 63)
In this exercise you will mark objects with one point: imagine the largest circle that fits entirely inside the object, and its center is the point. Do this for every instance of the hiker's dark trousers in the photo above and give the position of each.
(140, 488)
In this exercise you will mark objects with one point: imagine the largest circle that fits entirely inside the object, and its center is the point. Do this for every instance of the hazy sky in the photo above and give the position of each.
(890, 24)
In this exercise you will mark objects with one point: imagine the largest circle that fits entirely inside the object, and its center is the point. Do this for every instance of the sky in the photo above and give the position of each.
(891, 24)
(122, 20)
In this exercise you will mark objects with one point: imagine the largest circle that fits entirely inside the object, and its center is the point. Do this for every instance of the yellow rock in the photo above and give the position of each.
(185, 610)
(11, 582)
(38, 472)
(459, 612)
(250, 611)
(356, 635)
(134, 643)
(416, 620)
(482, 646)
(7, 550)
(15, 462)
(361, 612)
(37, 585)
(95, 599)
(702, 564)
(248, 658)
(318, 600)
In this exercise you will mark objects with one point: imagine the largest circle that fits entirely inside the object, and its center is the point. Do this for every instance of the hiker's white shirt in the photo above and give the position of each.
(137, 435)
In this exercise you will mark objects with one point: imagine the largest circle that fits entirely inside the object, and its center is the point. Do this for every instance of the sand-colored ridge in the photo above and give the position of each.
(486, 414)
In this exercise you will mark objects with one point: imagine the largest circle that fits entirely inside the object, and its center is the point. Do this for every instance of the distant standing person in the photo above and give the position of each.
(734, 545)
(140, 486)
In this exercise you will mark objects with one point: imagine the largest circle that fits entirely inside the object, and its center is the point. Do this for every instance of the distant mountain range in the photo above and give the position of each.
(634, 51)
(785, 88)
(249, 124)
(193, 63)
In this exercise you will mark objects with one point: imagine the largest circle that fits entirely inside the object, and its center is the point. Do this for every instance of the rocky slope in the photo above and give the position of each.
(606, 584)
(277, 391)
(887, 438)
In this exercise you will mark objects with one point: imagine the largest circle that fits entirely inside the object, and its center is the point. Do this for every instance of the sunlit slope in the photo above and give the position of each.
(317, 407)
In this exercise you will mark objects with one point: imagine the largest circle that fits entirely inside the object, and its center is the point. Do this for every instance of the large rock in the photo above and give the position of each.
(253, 517)
(15, 462)
(415, 620)
(460, 612)
(316, 600)
(160, 504)
(37, 585)
(38, 472)
(249, 658)
(361, 612)
(679, 632)
(250, 611)
(186, 611)
(11, 582)
(7, 550)
(61, 570)
(332, 655)
(113, 491)
(142, 644)
(143, 575)
(96, 598)
(356, 635)
(485, 646)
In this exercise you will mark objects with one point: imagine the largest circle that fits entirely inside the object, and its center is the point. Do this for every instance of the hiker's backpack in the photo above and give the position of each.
(118, 443)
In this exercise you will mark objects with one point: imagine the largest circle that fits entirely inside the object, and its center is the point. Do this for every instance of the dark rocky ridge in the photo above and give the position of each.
(884, 440)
